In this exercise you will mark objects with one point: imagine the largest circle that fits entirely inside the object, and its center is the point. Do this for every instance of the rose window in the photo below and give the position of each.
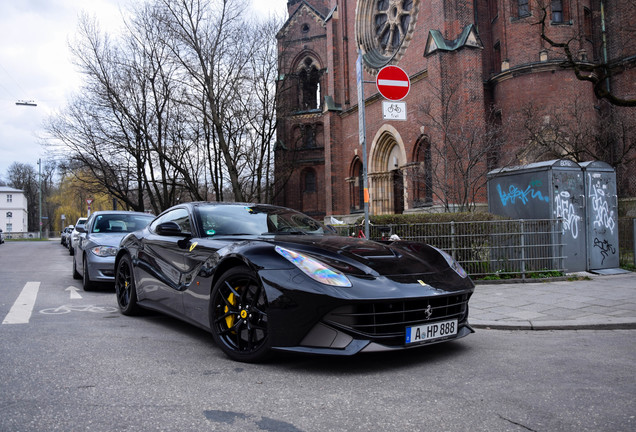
(384, 28)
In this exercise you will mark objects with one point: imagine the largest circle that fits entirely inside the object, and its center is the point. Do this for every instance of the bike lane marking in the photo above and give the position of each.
(64, 309)
(21, 310)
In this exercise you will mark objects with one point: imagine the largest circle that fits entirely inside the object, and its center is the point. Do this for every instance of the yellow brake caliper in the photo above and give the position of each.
(230, 319)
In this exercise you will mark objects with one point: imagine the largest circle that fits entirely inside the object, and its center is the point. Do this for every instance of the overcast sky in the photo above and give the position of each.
(35, 65)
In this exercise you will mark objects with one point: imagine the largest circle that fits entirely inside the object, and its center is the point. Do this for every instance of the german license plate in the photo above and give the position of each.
(427, 332)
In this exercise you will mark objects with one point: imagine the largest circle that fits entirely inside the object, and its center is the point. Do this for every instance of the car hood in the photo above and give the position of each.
(106, 239)
(359, 256)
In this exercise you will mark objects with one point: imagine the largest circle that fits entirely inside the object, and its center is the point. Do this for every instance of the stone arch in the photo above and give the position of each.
(386, 161)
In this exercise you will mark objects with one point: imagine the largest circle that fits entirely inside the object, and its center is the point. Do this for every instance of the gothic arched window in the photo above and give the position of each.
(423, 173)
(309, 85)
(356, 186)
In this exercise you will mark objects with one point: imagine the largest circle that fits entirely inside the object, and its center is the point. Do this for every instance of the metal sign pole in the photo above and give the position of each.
(363, 141)
(40, 196)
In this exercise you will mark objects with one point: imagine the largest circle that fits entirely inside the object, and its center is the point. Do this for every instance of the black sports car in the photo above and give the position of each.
(262, 278)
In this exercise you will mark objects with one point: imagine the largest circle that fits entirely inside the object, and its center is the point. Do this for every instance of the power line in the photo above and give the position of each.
(14, 81)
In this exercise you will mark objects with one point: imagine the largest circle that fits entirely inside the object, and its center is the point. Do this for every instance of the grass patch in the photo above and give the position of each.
(529, 275)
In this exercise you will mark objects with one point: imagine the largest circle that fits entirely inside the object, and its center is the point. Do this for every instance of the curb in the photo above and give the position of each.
(524, 281)
(609, 324)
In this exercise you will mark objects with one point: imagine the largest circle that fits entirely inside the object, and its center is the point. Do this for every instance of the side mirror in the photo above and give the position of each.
(170, 229)
(81, 228)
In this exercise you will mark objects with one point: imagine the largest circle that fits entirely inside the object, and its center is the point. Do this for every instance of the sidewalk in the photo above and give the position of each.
(604, 302)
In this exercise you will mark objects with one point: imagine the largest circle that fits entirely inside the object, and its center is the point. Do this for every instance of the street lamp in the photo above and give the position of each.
(31, 103)
(40, 194)
(26, 103)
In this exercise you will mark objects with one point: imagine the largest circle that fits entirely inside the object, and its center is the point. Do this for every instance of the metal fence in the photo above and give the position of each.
(510, 248)
(14, 235)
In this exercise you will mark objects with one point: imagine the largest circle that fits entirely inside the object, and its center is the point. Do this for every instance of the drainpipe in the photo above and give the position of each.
(604, 45)
(607, 71)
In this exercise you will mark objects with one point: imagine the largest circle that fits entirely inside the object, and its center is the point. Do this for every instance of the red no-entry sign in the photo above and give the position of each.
(393, 83)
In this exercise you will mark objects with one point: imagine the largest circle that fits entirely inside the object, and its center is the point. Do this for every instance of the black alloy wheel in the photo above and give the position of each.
(125, 288)
(238, 316)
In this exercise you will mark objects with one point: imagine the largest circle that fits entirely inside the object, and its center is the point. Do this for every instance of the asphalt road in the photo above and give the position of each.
(77, 364)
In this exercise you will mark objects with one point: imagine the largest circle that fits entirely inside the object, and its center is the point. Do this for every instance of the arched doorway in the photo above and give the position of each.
(386, 180)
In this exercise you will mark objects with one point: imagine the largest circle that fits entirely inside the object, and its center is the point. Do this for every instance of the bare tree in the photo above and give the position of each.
(565, 131)
(117, 128)
(460, 153)
(177, 108)
(578, 133)
(214, 49)
(26, 178)
(599, 72)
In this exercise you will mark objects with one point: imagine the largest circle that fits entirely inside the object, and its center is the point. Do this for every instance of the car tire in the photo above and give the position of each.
(238, 316)
(126, 288)
(76, 274)
(71, 251)
(86, 280)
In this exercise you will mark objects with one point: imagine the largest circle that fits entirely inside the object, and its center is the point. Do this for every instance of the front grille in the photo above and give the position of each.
(382, 319)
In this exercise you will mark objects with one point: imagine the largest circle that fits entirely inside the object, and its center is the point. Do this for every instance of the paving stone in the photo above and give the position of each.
(601, 302)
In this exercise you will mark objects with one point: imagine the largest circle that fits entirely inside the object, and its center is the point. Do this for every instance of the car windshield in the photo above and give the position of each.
(218, 220)
(117, 223)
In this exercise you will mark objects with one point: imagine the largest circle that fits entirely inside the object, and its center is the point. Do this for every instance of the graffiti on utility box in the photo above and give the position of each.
(603, 218)
(605, 248)
(564, 208)
(524, 195)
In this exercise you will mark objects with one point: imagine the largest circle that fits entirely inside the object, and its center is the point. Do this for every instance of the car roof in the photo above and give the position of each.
(121, 212)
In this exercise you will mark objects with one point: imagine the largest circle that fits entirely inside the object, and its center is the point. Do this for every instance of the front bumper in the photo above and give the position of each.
(330, 341)
(100, 269)
(372, 315)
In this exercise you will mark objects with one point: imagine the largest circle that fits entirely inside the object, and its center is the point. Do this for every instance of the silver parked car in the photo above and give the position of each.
(66, 235)
(98, 242)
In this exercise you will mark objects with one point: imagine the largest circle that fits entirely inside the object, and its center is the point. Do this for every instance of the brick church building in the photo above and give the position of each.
(486, 91)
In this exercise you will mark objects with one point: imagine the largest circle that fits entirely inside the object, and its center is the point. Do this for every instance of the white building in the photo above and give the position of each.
(13, 210)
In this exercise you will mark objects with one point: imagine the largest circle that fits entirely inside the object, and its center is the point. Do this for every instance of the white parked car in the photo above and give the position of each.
(73, 238)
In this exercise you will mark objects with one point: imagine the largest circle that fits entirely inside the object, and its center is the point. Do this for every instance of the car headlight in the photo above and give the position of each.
(452, 263)
(104, 251)
(315, 269)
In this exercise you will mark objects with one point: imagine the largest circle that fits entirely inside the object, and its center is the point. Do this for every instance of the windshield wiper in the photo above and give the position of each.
(287, 231)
